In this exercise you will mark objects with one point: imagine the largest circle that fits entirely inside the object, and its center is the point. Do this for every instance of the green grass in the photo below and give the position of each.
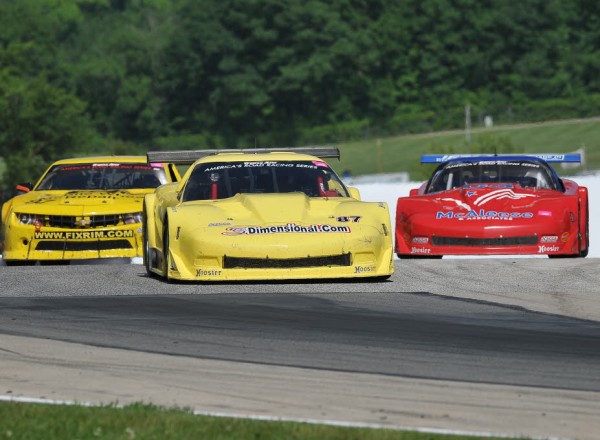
(403, 153)
(28, 421)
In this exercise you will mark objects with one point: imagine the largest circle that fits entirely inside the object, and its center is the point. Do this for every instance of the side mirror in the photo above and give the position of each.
(354, 192)
(414, 192)
(24, 187)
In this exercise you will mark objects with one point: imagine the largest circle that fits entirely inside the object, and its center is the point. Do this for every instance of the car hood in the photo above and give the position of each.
(244, 209)
(499, 199)
(79, 201)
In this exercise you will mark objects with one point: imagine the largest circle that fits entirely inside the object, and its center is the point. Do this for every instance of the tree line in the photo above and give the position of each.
(125, 76)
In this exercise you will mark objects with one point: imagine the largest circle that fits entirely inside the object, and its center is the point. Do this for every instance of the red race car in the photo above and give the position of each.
(494, 205)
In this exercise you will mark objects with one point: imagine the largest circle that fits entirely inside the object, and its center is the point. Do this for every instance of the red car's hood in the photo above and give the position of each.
(494, 201)
(490, 198)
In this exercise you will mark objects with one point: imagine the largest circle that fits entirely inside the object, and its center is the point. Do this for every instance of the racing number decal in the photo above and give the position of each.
(349, 219)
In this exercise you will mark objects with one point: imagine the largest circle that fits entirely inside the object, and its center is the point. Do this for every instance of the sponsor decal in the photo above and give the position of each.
(501, 194)
(349, 219)
(544, 249)
(363, 269)
(458, 203)
(220, 224)
(487, 185)
(207, 272)
(81, 235)
(260, 164)
(284, 229)
(553, 157)
(418, 250)
(549, 239)
(564, 237)
(44, 198)
(264, 164)
(482, 214)
(105, 165)
(117, 194)
(545, 213)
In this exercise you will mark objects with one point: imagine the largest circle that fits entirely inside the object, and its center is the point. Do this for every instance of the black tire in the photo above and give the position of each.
(166, 258)
(55, 262)
(379, 278)
(146, 244)
(584, 252)
(419, 257)
(19, 262)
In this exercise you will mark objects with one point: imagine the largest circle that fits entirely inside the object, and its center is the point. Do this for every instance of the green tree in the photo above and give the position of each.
(38, 124)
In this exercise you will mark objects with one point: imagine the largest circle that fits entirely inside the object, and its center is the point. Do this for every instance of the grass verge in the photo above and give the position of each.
(403, 153)
(34, 421)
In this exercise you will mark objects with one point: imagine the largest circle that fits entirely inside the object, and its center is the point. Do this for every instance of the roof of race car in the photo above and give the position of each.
(101, 159)
(243, 155)
(445, 158)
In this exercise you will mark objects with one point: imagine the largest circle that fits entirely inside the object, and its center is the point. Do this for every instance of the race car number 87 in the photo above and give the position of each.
(349, 219)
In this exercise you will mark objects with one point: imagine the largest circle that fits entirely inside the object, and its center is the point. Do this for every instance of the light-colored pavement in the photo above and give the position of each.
(64, 371)
(55, 370)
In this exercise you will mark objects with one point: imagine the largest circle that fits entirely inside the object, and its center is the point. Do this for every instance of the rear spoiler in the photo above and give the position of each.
(186, 157)
(440, 158)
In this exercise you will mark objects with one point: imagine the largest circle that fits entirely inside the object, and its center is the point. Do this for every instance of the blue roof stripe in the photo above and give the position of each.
(550, 157)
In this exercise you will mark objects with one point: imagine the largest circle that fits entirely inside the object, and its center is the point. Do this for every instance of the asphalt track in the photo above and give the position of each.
(508, 346)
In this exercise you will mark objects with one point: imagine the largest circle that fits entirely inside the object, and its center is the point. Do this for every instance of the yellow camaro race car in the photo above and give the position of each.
(263, 214)
(82, 208)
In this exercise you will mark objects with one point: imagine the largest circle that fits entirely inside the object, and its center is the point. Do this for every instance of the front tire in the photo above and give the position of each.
(19, 262)
(419, 257)
(146, 244)
(166, 253)
(584, 252)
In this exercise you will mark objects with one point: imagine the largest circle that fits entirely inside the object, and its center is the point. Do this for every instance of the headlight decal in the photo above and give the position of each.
(31, 219)
(132, 218)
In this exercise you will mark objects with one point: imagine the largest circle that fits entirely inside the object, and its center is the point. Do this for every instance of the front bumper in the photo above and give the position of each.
(209, 257)
(24, 243)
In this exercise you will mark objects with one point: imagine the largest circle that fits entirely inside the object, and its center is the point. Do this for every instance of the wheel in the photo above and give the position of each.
(166, 253)
(584, 253)
(419, 257)
(379, 278)
(55, 262)
(146, 245)
(19, 262)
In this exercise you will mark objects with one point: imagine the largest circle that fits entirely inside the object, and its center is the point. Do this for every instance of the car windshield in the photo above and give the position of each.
(527, 174)
(218, 180)
(106, 176)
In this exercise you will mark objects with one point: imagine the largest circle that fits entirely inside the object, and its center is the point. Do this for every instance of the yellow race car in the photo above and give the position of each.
(82, 208)
(263, 214)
